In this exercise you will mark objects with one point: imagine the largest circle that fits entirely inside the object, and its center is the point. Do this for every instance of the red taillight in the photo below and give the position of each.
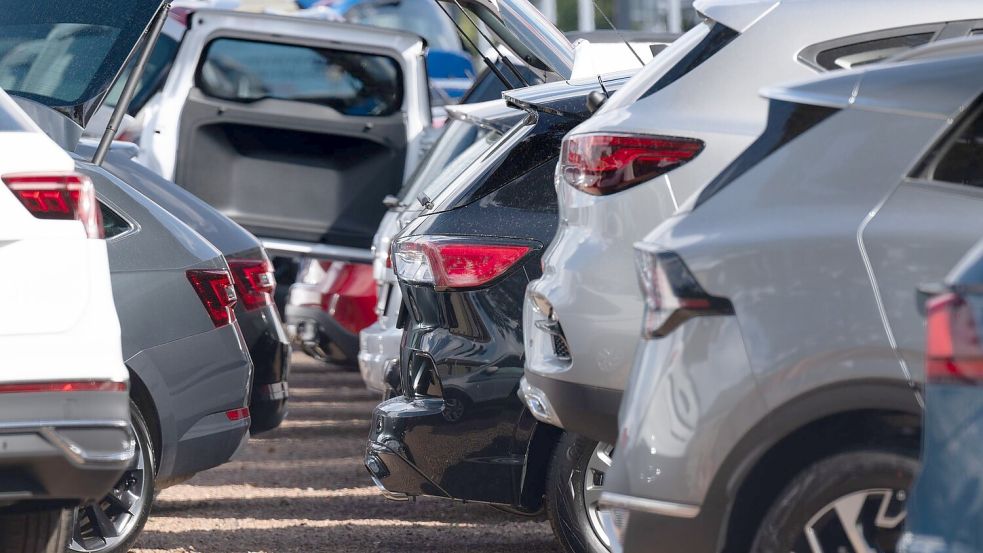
(217, 294)
(601, 164)
(672, 293)
(254, 282)
(69, 386)
(66, 196)
(239, 414)
(448, 262)
(952, 349)
(352, 296)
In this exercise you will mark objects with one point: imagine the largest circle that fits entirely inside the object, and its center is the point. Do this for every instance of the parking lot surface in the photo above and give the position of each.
(302, 488)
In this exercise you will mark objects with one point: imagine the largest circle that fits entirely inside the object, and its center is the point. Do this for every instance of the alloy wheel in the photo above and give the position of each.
(868, 521)
(597, 467)
(105, 523)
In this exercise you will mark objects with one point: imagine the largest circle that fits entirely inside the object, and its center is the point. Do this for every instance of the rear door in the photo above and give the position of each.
(296, 129)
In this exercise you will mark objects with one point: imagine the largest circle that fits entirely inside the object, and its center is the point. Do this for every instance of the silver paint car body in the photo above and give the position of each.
(589, 276)
(820, 248)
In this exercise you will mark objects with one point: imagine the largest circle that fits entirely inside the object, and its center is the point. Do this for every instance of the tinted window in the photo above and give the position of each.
(153, 77)
(871, 51)
(351, 83)
(112, 223)
(67, 53)
(960, 157)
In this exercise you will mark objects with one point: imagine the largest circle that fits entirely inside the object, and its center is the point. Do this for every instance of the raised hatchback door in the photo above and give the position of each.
(297, 129)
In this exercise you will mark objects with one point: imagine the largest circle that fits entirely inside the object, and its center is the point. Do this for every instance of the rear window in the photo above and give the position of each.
(153, 77)
(352, 83)
(958, 158)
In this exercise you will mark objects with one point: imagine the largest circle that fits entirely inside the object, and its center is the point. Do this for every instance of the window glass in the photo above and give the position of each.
(871, 51)
(456, 136)
(420, 17)
(112, 223)
(351, 83)
(961, 160)
(154, 75)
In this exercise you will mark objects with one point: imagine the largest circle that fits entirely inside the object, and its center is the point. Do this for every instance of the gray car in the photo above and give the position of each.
(774, 404)
(190, 371)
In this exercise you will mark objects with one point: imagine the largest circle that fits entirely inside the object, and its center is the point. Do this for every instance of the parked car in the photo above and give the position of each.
(190, 372)
(653, 146)
(775, 404)
(943, 513)
(458, 429)
(471, 131)
(448, 64)
(64, 411)
(252, 275)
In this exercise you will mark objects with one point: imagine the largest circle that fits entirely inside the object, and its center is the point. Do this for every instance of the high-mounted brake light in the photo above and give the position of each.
(62, 196)
(455, 262)
(601, 164)
(64, 386)
(672, 293)
(214, 288)
(254, 282)
(952, 351)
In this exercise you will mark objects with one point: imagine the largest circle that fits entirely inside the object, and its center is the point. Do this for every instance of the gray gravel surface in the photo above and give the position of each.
(302, 488)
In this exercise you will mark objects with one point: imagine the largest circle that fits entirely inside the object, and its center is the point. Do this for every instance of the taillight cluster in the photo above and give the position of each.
(455, 262)
(64, 196)
(217, 294)
(601, 164)
(953, 351)
(254, 282)
(672, 293)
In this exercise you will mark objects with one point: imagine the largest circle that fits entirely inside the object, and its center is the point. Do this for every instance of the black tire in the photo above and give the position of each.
(36, 532)
(816, 488)
(146, 487)
(566, 506)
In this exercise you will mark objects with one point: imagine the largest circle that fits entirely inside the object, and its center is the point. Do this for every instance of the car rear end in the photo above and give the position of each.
(64, 406)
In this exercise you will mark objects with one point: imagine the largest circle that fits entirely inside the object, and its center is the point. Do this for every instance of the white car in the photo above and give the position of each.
(656, 143)
(64, 402)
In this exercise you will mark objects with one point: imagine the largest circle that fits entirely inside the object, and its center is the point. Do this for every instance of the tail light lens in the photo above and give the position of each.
(952, 350)
(239, 414)
(352, 296)
(64, 386)
(217, 294)
(451, 262)
(672, 293)
(604, 164)
(254, 282)
(66, 196)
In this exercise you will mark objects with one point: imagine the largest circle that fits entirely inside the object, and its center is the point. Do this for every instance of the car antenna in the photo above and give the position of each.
(129, 89)
(621, 36)
(494, 69)
(508, 63)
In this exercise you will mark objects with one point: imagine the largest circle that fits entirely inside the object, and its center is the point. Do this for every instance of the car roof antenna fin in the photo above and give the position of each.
(132, 81)
(615, 29)
(498, 73)
(505, 59)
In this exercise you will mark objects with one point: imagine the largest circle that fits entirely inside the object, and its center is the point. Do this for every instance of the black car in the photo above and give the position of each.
(457, 429)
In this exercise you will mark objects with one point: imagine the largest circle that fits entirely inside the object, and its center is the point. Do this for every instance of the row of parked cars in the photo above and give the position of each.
(681, 304)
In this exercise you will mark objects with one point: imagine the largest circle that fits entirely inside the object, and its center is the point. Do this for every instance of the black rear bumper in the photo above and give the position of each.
(269, 348)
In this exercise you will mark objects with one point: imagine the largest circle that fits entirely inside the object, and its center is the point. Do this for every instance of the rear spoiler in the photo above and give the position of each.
(546, 98)
(495, 115)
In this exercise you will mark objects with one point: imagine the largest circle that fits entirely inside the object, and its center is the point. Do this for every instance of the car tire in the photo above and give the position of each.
(575, 461)
(36, 532)
(859, 495)
(136, 487)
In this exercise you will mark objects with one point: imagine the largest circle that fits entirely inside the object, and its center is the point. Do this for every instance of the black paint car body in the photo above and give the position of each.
(458, 429)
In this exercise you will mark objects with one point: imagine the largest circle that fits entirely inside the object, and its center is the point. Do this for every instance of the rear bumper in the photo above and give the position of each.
(269, 349)
(316, 327)
(63, 447)
(379, 348)
(650, 532)
(585, 410)
(212, 441)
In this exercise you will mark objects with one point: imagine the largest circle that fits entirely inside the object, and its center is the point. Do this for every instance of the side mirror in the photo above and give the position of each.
(595, 100)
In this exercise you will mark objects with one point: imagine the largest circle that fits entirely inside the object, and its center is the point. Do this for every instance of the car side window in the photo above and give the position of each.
(959, 158)
(113, 223)
(352, 83)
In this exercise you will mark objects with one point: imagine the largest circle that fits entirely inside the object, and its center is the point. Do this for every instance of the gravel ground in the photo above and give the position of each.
(302, 489)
